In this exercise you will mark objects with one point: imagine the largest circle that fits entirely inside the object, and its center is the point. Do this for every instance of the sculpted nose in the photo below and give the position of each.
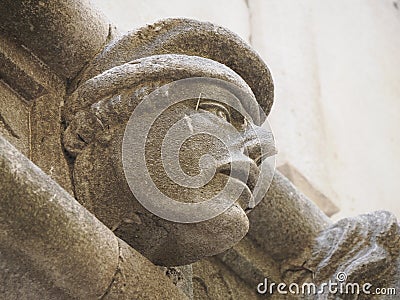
(259, 143)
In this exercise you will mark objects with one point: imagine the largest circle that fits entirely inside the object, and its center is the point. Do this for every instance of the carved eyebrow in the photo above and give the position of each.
(234, 117)
(214, 104)
(211, 103)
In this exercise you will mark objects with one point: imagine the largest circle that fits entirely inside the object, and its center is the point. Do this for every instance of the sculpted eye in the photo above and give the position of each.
(244, 124)
(217, 109)
(222, 114)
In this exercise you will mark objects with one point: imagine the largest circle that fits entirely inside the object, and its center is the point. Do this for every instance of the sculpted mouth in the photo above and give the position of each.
(247, 178)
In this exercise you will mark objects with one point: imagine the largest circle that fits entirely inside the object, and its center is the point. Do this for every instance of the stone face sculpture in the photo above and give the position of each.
(97, 113)
(289, 239)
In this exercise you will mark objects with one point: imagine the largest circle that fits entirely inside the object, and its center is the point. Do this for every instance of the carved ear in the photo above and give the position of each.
(190, 37)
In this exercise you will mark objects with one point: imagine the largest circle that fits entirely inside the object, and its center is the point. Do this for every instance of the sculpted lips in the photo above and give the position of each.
(246, 174)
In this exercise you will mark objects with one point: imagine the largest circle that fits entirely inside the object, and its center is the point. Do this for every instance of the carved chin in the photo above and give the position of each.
(192, 242)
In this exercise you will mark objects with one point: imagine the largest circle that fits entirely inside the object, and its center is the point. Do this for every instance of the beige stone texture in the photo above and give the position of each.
(88, 262)
(53, 31)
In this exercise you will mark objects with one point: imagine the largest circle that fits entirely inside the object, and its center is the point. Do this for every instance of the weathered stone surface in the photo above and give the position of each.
(250, 263)
(53, 248)
(189, 37)
(365, 248)
(68, 252)
(31, 98)
(153, 71)
(309, 248)
(286, 223)
(20, 278)
(138, 278)
(14, 119)
(65, 35)
(36, 212)
(213, 280)
(182, 277)
(25, 73)
(45, 132)
(162, 241)
(95, 133)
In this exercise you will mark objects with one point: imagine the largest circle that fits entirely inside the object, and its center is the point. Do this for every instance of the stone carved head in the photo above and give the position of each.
(144, 66)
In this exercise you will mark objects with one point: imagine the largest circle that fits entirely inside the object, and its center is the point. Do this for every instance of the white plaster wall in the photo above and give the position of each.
(129, 14)
(336, 67)
(337, 112)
